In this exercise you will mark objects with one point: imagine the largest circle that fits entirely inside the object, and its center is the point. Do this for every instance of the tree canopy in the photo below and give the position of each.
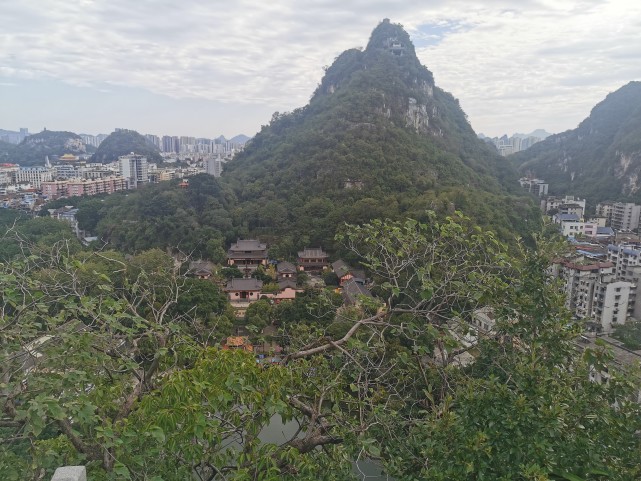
(115, 363)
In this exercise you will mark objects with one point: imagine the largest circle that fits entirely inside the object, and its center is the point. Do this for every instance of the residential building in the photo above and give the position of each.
(573, 229)
(134, 169)
(625, 216)
(213, 165)
(611, 303)
(7, 173)
(604, 209)
(537, 187)
(627, 267)
(564, 205)
(33, 176)
(80, 187)
(593, 292)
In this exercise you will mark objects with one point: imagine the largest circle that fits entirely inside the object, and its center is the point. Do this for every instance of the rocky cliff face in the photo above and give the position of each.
(404, 92)
(601, 158)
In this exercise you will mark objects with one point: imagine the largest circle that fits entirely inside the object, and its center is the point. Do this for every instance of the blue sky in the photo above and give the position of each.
(205, 68)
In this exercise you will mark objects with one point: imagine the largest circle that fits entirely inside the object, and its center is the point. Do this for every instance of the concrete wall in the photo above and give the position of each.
(70, 473)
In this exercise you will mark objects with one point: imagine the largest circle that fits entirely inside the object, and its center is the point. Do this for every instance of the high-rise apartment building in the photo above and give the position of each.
(134, 169)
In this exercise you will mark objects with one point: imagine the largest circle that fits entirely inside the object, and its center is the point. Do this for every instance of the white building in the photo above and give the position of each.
(593, 292)
(213, 166)
(135, 169)
(565, 205)
(537, 187)
(625, 216)
(32, 175)
(611, 302)
(573, 229)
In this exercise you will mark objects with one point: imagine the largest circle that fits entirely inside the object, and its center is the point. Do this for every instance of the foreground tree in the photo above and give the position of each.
(109, 371)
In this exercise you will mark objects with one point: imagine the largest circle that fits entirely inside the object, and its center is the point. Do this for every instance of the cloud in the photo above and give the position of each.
(549, 60)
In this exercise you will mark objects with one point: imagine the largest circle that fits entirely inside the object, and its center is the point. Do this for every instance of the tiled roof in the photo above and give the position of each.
(340, 268)
(352, 290)
(250, 284)
(247, 245)
(285, 266)
(312, 252)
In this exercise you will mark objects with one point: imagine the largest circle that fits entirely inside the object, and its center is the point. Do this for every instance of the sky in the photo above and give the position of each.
(209, 67)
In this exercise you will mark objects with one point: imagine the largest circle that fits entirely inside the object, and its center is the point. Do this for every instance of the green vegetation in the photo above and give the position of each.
(123, 142)
(6, 152)
(358, 152)
(34, 148)
(122, 376)
(41, 232)
(598, 160)
(197, 221)
(629, 334)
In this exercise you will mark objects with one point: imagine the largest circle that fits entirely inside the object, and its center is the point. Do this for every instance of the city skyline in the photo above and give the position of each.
(210, 69)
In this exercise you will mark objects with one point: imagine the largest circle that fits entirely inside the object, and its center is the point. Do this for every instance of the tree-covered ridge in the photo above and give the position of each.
(123, 142)
(34, 148)
(377, 139)
(198, 221)
(601, 158)
(6, 151)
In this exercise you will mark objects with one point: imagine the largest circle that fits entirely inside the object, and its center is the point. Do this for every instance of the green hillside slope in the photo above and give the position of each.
(377, 139)
(123, 142)
(601, 158)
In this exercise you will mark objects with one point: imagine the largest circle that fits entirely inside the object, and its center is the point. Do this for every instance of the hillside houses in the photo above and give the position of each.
(250, 255)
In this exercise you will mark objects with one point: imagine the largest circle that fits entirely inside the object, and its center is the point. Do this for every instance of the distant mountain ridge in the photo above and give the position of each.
(601, 158)
(240, 139)
(34, 148)
(539, 133)
(377, 139)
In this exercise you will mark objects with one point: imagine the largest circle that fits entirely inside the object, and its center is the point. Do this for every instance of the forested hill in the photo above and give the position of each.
(601, 158)
(34, 148)
(378, 139)
(123, 142)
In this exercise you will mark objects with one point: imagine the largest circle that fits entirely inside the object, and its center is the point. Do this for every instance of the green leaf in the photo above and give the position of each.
(157, 433)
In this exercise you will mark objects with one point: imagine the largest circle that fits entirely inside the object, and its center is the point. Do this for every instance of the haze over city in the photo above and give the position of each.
(206, 68)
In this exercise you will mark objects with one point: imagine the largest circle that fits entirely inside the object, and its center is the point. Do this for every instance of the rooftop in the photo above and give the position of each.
(312, 252)
(248, 245)
(285, 266)
(250, 284)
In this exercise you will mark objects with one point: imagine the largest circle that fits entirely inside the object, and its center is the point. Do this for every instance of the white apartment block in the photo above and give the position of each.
(593, 292)
(627, 264)
(32, 175)
(573, 228)
(7, 174)
(537, 187)
(565, 205)
(134, 169)
(611, 304)
(604, 209)
(213, 166)
(625, 216)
